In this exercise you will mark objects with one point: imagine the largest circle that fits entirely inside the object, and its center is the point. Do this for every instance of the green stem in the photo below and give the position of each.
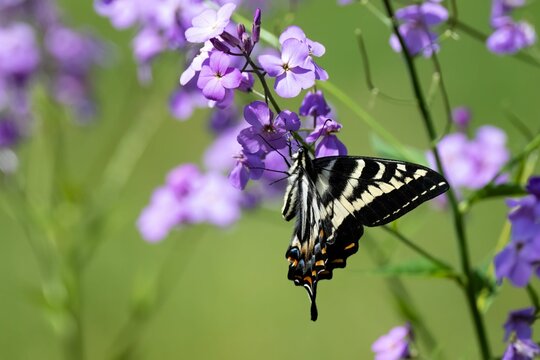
(401, 296)
(534, 298)
(458, 219)
(407, 242)
(444, 92)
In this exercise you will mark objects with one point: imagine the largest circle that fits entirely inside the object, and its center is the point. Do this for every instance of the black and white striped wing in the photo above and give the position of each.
(375, 191)
(333, 197)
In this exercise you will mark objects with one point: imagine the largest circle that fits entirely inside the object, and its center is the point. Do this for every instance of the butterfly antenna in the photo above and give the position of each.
(276, 150)
(278, 180)
(323, 127)
(265, 169)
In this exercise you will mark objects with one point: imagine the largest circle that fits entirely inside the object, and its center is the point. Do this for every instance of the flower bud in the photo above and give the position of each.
(220, 46)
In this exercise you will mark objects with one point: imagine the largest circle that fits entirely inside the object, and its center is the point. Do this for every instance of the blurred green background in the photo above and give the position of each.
(226, 292)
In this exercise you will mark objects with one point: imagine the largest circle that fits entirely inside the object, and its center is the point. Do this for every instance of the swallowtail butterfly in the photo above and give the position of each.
(333, 198)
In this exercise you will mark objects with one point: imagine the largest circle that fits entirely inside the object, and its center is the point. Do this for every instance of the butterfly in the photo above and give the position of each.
(333, 198)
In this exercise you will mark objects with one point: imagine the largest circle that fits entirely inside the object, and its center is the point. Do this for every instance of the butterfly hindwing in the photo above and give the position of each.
(333, 197)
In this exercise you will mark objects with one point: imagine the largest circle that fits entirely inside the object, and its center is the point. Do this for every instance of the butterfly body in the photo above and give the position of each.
(332, 199)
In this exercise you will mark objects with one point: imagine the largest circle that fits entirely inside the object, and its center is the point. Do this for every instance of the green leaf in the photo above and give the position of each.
(492, 191)
(419, 267)
(386, 150)
(485, 288)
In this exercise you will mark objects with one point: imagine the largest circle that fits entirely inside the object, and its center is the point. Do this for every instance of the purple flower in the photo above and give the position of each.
(394, 345)
(329, 144)
(315, 49)
(521, 256)
(209, 24)
(74, 51)
(510, 37)
(189, 197)
(472, 163)
(291, 70)
(533, 186)
(217, 76)
(462, 117)
(184, 100)
(416, 29)
(248, 166)
(161, 216)
(9, 133)
(122, 13)
(214, 201)
(288, 120)
(519, 322)
(19, 57)
(264, 134)
(502, 9)
(521, 350)
(220, 155)
(196, 64)
(147, 44)
(314, 104)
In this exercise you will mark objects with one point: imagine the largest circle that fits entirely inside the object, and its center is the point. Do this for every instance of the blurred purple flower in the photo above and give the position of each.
(416, 29)
(220, 155)
(291, 70)
(394, 345)
(214, 201)
(162, 214)
(521, 256)
(122, 13)
(209, 24)
(519, 322)
(184, 100)
(189, 197)
(315, 49)
(9, 133)
(19, 55)
(74, 51)
(510, 37)
(264, 134)
(224, 119)
(472, 163)
(521, 350)
(502, 9)
(329, 144)
(314, 104)
(147, 44)
(533, 187)
(217, 76)
(248, 166)
(462, 117)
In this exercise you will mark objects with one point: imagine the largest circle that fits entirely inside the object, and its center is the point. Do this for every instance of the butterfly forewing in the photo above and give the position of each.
(376, 191)
(333, 197)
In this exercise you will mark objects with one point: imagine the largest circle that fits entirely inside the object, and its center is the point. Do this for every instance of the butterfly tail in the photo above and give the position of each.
(312, 293)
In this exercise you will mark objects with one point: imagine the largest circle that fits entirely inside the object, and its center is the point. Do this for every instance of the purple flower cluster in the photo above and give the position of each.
(472, 163)
(66, 57)
(417, 25)
(225, 64)
(521, 257)
(395, 345)
(268, 134)
(518, 329)
(508, 36)
(189, 197)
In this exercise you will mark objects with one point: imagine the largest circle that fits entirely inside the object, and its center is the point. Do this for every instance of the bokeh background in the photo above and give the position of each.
(226, 295)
